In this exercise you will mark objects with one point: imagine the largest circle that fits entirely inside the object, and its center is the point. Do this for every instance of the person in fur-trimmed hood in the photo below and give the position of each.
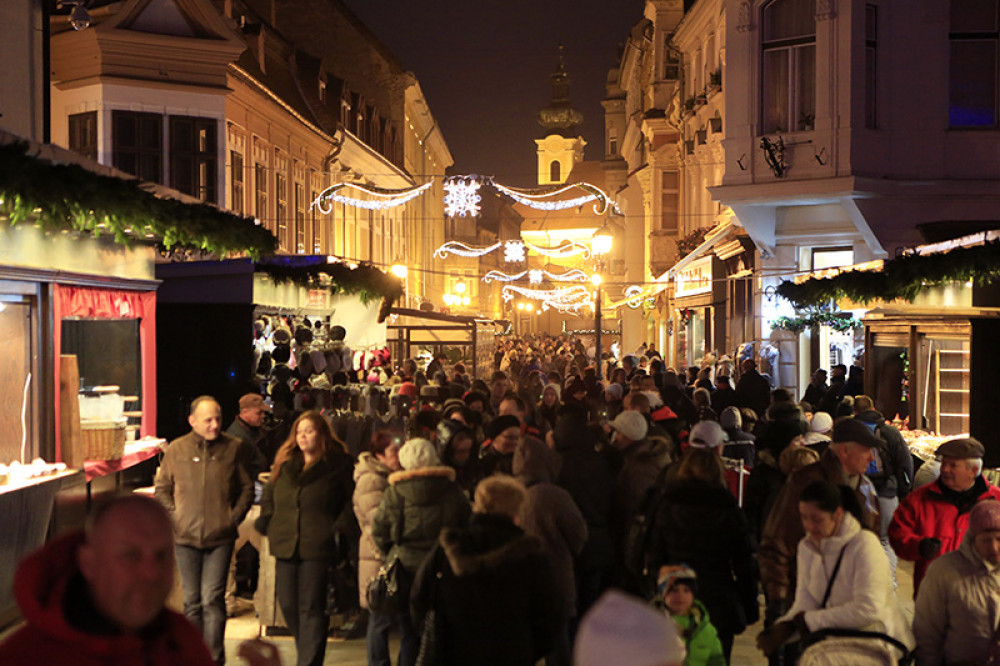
(490, 587)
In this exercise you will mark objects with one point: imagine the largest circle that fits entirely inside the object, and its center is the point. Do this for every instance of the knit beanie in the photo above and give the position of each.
(985, 517)
(730, 418)
(821, 422)
(417, 454)
(621, 629)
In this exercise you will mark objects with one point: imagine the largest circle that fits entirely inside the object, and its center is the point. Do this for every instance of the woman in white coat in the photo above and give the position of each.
(843, 580)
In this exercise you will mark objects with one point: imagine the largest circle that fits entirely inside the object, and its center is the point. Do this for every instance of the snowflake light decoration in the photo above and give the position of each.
(535, 276)
(513, 251)
(462, 197)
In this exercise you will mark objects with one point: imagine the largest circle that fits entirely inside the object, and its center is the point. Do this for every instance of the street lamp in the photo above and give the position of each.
(600, 246)
(399, 270)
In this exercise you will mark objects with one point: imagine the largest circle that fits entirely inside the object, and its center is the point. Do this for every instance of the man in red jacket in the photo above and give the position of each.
(932, 519)
(97, 596)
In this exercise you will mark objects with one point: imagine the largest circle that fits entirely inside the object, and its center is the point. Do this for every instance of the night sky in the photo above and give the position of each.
(484, 68)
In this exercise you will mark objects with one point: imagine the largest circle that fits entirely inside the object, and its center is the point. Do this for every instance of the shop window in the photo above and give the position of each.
(973, 53)
(871, 66)
(193, 156)
(137, 144)
(236, 182)
(83, 134)
(16, 331)
(788, 62)
(107, 352)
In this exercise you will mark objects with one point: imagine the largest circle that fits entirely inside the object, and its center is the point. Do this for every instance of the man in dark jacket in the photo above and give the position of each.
(830, 400)
(817, 388)
(753, 390)
(204, 484)
(490, 587)
(724, 395)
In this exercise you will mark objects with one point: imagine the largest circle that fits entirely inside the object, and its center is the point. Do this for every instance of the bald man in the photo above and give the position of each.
(97, 596)
(204, 484)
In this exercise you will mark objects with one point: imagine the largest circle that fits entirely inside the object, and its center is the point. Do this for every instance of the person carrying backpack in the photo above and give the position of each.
(891, 472)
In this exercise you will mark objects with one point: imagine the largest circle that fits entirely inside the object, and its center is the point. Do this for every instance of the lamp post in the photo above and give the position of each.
(600, 246)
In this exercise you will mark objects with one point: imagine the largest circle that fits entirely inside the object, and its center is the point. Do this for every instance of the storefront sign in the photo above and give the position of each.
(317, 298)
(695, 279)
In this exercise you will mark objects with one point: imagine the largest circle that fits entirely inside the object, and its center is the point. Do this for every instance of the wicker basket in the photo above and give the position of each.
(103, 440)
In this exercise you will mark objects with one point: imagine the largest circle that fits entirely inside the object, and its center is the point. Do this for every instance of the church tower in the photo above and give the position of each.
(562, 146)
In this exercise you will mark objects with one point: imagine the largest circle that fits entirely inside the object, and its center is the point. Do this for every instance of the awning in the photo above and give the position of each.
(713, 238)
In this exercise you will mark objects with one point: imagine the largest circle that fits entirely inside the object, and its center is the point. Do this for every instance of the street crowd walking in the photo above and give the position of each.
(564, 509)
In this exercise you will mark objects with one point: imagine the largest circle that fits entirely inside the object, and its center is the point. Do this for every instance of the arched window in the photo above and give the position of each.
(555, 171)
(788, 64)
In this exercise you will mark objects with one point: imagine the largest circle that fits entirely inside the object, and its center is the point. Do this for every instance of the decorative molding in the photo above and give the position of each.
(826, 9)
(743, 18)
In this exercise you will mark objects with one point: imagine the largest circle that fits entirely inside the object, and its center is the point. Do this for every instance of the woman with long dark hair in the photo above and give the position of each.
(309, 487)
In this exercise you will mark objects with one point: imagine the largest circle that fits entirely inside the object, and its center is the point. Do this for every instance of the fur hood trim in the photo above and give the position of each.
(466, 564)
(407, 474)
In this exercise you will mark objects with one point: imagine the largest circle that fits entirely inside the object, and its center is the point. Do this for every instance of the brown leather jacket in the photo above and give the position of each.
(206, 488)
(783, 527)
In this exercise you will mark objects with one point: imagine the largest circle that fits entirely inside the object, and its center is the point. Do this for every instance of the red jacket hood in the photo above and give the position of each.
(40, 585)
(663, 413)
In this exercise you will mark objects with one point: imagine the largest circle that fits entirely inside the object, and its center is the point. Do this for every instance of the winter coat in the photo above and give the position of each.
(206, 488)
(371, 478)
(417, 505)
(700, 637)
(493, 595)
(642, 462)
(252, 438)
(700, 523)
(586, 476)
(814, 394)
(958, 608)
(722, 398)
(761, 490)
(550, 515)
(301, 505)
(753, 391)
(927, 512)
(783, 528)
(49, 586)
(900, 482)
(861, 596)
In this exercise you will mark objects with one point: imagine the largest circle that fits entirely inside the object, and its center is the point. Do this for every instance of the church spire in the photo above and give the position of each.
(559, 116)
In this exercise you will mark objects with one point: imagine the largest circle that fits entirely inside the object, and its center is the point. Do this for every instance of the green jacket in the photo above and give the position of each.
(300, 507)
(417, 505)
(700, 637)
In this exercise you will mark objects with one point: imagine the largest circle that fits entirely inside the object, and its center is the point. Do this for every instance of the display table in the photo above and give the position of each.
(135, 453)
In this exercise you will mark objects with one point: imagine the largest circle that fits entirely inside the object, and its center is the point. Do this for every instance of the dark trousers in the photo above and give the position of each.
(301, 587)
(203, 578)
(379, 626)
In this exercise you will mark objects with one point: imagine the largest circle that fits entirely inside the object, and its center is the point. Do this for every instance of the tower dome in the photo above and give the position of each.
(559, 116)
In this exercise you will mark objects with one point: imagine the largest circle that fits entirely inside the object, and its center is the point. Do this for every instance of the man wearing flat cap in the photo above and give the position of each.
(932, 519)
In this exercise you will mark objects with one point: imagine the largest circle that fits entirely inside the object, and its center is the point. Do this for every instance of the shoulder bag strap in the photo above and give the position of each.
(833, 576)
(400, 523)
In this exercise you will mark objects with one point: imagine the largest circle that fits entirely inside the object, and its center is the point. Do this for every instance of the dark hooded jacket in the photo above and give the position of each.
(491, 588)
(63, 626)
(586, 476)
(900, 481)
(550, 515)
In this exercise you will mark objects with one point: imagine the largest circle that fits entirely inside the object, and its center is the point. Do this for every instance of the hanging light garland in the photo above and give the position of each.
(383, 198)
(537, 199)
(461, 196)
(564, 299)
(514, 251)
(535, 276)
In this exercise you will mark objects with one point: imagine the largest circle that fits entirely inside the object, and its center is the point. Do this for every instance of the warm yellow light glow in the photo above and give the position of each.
(460, 287)
(596, 279)
(529, 307)
(466, 300)
(520, 306)
(602, 241)
(538, 311)
(399, 270)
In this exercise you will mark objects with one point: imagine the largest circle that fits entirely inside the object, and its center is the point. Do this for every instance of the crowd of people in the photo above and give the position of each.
(507, 516)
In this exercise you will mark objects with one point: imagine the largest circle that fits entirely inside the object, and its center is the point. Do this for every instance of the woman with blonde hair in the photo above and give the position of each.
(309, 487)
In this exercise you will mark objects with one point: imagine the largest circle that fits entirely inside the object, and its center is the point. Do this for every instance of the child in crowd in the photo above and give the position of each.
(677, 586)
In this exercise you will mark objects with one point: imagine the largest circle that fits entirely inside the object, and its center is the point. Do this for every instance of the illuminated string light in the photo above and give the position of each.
(461, 197)
(539, 199)
(565, 299)
(383, 198)
(535, 276)
(514, 250)
(463, 250)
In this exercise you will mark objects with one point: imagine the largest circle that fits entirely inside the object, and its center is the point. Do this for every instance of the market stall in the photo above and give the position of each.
(412, 331)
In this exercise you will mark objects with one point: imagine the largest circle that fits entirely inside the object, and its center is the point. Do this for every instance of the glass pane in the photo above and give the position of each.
(180, 135)
(150, 130)
(775, 97)
(125, 131)
(788, 19)
(973, 101)
(944, 377)
(806, 83)
(15, 330)
(973, 15)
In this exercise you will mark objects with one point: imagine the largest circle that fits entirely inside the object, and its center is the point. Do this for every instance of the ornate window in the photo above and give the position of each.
(788, 64)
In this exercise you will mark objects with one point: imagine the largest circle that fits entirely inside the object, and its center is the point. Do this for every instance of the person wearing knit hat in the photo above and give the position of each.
(630, 427)
(820, 428)
(621, 629)
(418, 453)
(503, 434)
(954, 622)
(677, 588)
(933, 519)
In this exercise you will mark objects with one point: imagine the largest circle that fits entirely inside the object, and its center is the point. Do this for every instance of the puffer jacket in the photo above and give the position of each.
(700, 637)
(371, 478)
(48, 583)
(550, 515)
(417, 505)
(301, 505)
(701, 524)
(206, 488)
(861, 596)
(958, 608)
(926, 512)
(642, 463)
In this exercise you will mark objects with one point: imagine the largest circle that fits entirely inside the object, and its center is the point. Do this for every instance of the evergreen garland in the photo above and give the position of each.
(690, 243)
(60, 197)
(838, 321)
(901, 278)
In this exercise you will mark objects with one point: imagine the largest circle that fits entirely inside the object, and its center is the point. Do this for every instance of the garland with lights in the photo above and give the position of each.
(68, 197)
(534, 198)
(565, 299)
(365, 280)
(535, 276)
(383, 198)
(841, 322)
(900, 278)
(514, 251)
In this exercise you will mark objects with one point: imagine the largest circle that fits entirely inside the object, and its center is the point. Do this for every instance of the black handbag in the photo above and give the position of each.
(385, 591)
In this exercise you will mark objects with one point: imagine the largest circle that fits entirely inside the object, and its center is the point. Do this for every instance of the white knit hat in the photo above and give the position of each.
(417, 454)
(621, 629)
(821, 422)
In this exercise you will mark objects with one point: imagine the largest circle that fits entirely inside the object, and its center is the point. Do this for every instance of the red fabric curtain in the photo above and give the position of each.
(70, 301)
